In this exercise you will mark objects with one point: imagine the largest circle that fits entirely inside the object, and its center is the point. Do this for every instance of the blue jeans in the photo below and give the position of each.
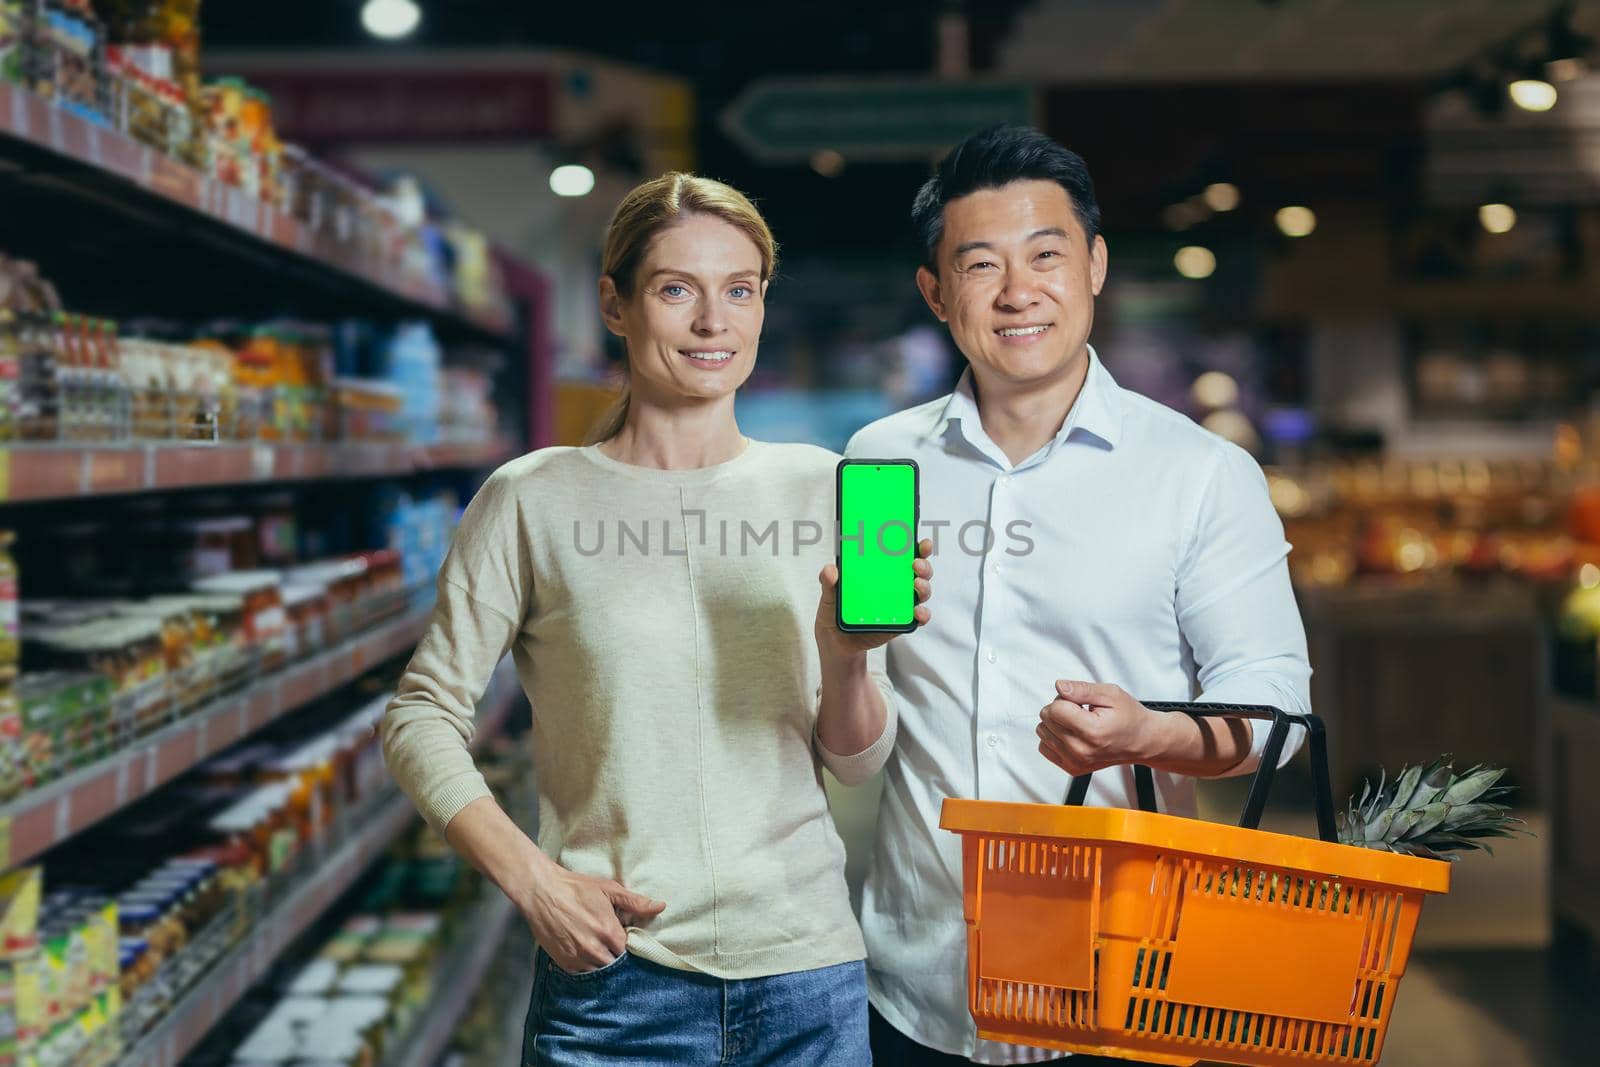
(632, 1011)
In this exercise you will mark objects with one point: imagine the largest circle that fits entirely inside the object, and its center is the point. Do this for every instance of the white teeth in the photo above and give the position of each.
(710, 357)
(1024, 331)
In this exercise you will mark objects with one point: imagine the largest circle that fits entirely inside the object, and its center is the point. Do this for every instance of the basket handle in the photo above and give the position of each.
(1256, 803)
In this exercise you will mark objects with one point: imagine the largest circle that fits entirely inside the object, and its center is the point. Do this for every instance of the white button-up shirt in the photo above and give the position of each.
(1135, 548)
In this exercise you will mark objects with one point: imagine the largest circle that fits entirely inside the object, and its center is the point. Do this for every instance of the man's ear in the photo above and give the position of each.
(611, 305)
(1097, 265)
(928, 286)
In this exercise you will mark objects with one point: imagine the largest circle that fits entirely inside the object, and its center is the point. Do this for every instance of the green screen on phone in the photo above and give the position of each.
(877, 544)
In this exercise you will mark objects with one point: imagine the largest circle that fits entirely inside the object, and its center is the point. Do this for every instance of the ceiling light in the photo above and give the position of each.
(390, 19)
(828, 163)
(1497, 218)
(1195, 261)
(1532, 94)
(1214, 389)
(1296, 220)
(573, 179)
(1222, 196)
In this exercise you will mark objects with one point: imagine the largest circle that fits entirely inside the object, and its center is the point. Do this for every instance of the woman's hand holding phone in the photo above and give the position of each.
(836, 643)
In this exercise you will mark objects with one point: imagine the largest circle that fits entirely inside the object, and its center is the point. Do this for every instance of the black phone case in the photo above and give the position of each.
(838, 560)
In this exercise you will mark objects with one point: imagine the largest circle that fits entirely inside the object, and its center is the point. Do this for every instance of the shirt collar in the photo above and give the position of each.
(1097, 412)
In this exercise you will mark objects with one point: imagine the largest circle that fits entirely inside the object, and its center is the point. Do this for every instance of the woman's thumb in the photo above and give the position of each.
(624, 899)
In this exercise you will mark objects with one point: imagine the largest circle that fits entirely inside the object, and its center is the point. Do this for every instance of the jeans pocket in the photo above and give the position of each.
(587, 976)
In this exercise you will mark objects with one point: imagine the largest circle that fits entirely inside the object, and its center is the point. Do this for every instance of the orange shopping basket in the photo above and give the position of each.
(1153, 937)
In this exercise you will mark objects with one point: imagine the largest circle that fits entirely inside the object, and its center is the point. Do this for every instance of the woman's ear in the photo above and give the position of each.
(611, 305)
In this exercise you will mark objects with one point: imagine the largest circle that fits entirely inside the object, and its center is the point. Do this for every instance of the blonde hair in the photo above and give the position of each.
(652, 207)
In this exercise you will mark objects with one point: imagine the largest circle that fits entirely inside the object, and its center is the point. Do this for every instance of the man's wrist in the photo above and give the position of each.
(1160, 737)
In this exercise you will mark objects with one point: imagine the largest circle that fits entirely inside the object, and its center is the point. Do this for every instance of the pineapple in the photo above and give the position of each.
(1430, 811)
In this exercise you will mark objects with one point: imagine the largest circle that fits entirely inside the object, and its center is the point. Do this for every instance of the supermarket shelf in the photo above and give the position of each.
(90, 163)
(193, 1016)
(45, 817)
(431, 1035)
(57, 472)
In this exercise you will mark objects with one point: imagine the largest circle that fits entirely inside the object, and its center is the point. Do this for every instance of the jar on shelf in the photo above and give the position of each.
(10, 632)
(264, 617)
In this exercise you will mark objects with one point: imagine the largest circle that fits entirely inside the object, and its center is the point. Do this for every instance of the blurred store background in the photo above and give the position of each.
(279, 285)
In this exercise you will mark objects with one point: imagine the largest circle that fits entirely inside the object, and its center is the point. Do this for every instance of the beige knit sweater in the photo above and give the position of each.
(661, 625)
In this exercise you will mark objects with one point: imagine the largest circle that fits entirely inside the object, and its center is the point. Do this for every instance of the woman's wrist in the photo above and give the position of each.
(841, 665)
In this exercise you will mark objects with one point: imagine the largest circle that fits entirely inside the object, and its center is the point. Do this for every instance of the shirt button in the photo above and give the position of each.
(1005, 479)
(993, 740)
(989, 655)
(995, 567)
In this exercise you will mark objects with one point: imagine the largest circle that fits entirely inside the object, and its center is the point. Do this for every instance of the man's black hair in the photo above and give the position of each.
(994, 157)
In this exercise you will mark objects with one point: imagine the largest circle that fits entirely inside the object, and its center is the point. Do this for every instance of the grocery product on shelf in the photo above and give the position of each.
(10, 645)
(99, 674)
(65, 376)
(395, 971)
(466, 411)
(1423, 520)
(63, 56)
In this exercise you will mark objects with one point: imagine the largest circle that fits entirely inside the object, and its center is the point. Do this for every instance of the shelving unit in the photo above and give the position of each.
(126, 232)
(45, 817)
(56, 156)
(49, 472)
(334, 869)
(455, 986)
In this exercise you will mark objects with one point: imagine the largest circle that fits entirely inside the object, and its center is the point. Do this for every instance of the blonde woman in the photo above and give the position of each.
(659, 592)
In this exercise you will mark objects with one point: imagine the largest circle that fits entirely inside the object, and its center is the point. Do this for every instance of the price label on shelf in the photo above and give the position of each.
(5, 474)
(5, 842)
(261, 462)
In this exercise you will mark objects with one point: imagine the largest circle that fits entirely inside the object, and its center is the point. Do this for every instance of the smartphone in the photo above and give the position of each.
(877, 505)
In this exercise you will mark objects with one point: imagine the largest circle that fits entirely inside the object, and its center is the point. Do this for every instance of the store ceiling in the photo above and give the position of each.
(1046, 40)
(1189, 40)
(1304, 97)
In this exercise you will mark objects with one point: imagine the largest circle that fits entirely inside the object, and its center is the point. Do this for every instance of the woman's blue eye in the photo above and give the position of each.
(673, 290)
(739, 292)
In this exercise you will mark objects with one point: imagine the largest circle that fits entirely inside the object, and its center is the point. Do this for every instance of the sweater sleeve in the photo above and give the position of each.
(482, 597)
(857, 767)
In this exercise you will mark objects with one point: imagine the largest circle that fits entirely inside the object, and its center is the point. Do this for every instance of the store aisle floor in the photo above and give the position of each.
(1491, 1008)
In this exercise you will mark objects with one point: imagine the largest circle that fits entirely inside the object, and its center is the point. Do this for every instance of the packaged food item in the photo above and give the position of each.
(307, 607)
(264, 615)
(10, 638)
(350, 943)
(277, 532)
(368, 409)
(127, 651)
(210, 545)
(20, 892)
(14, 758)
(65, 722)
(10, 370)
